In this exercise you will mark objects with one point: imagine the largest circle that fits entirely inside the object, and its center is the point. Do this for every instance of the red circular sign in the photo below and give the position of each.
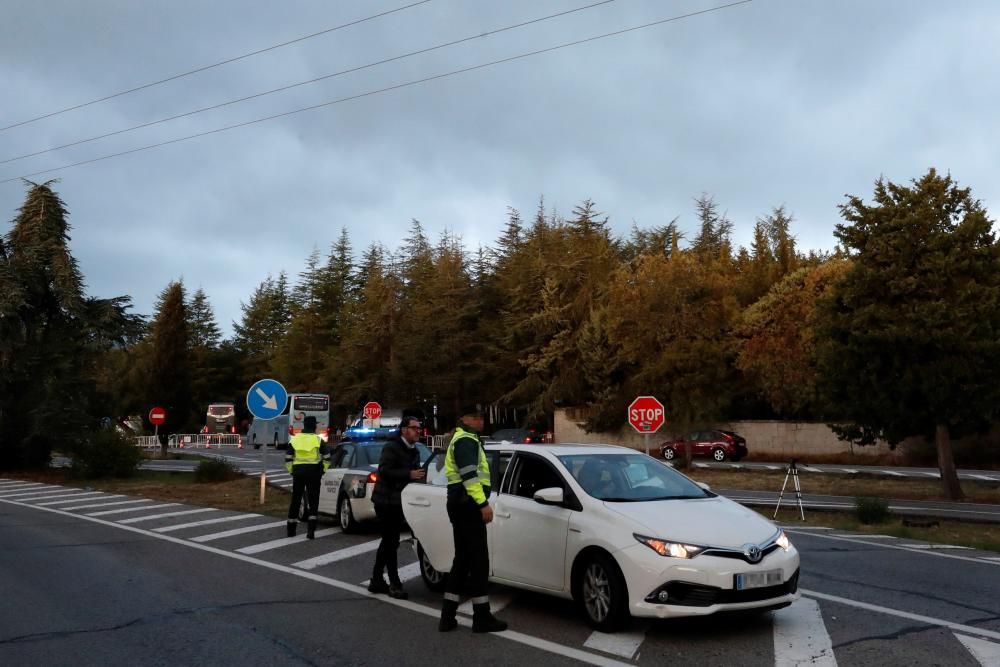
(646, 414)
(372, 410)
(157, 416)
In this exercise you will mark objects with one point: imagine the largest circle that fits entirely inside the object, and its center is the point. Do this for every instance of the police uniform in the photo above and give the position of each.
(468, 475)
(307, 460)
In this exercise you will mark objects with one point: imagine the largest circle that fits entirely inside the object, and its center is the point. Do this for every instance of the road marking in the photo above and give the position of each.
(406, 573)
(800, 636)
(992, 558)
(870, 537)
(700, 465)
(811, 469)
(901, 547)
(35, 493)
(284, 542)
(15, 484)
(236, 531)
(75, 497)
(935, 475)
(791, 527)
(497, 603)
(983, 477)
(163, 516)
(891, 472)
(206, 522)
(852, 471)
(92, 505)
(132, 509)
(967, 629)
(334, 556)
(987, 653)
(773, 467)
(936, 546)
(622, 644)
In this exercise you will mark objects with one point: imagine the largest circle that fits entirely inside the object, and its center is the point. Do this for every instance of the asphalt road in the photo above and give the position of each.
(88, 578)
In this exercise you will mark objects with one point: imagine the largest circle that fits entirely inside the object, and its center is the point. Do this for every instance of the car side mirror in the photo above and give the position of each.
(704, 486)
(550, 496)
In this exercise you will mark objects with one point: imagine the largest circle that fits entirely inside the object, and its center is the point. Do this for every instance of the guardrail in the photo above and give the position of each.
(205, 441)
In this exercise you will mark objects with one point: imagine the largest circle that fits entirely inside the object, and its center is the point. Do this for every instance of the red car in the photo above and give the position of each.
(720, 445)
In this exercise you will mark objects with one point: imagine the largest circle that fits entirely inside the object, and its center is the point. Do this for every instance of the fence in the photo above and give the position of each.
(436, 442)
(205, 441)
(146, 442)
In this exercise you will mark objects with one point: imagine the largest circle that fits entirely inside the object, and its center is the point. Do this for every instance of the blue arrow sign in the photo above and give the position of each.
(266, 399)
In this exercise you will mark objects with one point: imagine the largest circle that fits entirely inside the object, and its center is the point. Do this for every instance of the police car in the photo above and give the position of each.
(347, 487)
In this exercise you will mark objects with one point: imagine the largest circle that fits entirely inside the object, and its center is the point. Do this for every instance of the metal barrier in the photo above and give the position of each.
(436, 442)
(205, 440)
(146, 442)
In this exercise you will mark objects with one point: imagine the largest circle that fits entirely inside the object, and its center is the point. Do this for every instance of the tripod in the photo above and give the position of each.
(792, 472)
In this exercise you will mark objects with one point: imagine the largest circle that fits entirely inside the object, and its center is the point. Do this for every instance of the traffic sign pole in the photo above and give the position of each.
(645, 438)
(266, 400)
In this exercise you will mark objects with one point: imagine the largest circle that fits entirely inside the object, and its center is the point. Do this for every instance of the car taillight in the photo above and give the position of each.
(372, 477)
(232, 429)
(291, 431)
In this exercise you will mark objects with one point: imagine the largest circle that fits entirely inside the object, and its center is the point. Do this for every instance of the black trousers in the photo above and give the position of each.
(305, 478)
(391, 520)
(472, 556)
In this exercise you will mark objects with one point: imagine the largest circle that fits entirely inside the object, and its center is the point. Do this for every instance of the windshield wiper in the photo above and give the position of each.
(621, 500)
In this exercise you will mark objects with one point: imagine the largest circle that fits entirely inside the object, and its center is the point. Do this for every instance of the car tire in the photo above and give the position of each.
(603, 596)
(669, 454)
(736, 459)
(346, 516)
(719, 454)
(433, 579)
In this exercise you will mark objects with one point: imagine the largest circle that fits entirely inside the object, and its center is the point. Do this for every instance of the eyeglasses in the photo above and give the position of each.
(416, 426)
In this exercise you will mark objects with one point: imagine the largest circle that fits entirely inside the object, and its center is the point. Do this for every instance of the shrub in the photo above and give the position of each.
(871, 510)
(104, 453)
(215, 471)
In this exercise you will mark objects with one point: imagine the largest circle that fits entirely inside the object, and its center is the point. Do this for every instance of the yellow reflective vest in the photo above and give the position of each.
(466, 468)
(306, 449)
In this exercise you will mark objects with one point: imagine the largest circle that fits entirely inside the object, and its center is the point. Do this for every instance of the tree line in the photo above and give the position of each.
(894, 333)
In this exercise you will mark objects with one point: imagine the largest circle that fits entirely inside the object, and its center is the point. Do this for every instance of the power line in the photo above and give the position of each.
(213, 65)
(386, 89)
(310, 81)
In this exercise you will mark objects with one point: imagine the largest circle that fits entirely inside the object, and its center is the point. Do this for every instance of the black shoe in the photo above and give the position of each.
(378, 586)
(311, 530)
(448, 622)
(291, 527)
(483, 619)
(396, 591)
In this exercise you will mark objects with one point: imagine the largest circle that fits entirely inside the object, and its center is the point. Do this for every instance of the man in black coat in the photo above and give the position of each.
(400, 465)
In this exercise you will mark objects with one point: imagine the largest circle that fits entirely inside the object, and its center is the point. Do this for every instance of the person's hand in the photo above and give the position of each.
(487, 513)
(417, 474)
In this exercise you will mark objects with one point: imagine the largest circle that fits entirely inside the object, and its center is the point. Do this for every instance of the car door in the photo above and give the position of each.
(329, 490)
(529, 538)
(425, 511)
(701, 443)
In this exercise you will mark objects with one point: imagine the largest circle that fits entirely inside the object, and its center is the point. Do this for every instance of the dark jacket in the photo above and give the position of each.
(394, 471)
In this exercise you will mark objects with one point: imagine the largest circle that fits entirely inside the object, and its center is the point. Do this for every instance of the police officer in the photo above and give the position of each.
(468, 474)
(307, 459)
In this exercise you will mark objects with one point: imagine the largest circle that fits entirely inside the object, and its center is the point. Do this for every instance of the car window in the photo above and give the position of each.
(531, 474)
(693, 435)
(435, 470)
(629, 478)
(337, 456)
(348, 459)
(499, 462)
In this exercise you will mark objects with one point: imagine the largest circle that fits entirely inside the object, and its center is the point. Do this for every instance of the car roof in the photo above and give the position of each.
(563, 448)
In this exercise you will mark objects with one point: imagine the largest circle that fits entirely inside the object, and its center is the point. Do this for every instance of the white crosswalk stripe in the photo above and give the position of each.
(28, 493)
(623, 644)
(406, 573)
(237, 531)
(106, 504)
(284, 542)
(206, 522)
(334, 556)
(497, 602)
(152, 517)
(800, 636)
(987, 653)
(132, 509)
(74, 498)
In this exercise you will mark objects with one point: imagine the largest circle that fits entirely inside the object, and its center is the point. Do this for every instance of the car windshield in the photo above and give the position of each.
(370, 452)
(629, 478)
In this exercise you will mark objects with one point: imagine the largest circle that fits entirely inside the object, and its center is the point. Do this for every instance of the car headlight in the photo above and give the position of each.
(668, 548)
(783, 541)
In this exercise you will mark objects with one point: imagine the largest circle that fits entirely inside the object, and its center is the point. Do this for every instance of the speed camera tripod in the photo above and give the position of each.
(793, 472)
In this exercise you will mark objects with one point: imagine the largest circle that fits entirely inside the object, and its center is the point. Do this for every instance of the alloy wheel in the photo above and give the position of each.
(597, 592)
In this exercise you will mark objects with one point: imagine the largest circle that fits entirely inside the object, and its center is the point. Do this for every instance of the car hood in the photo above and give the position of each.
(714, 521)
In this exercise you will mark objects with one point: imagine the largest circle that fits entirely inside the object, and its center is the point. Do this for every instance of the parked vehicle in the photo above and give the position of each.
(717, 444)
(270, 432)
(347, 487)
(301, 406)
(619, 532)
(519, 435)
(221, 418)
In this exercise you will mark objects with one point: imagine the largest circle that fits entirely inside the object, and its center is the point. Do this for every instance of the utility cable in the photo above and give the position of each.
(310, 81)
(399, 86)
(213, 65)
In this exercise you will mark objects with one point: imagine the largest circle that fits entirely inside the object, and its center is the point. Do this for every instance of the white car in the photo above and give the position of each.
(620, 532)
(346, 489)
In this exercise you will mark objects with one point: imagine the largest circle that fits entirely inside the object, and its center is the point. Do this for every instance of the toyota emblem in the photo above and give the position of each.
(752, 552)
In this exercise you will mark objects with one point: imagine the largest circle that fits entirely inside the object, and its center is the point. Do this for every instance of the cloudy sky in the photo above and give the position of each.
(771, 102)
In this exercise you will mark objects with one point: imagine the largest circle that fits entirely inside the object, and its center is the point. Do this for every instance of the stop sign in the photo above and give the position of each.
(157, 416)
(372, 410)
(646, 414)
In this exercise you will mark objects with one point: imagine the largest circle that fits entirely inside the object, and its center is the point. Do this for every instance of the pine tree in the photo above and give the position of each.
(203, 330)
(170, 363)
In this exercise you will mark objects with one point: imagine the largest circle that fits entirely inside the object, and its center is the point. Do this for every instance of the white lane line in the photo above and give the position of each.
(497, 603)
(935, 475)
(929, 620)
(206, 522)
(993, 558)
(132, 509)
(983, 477)
(165, 515)
(284, 542)
(800, 636)
(891, 472)
(75, 497)
(700, 465)
(236, 531)
(792, 527)
(622, 644)
(936, 546)
(811, 469)
(563, 650)
(870, 537)
(406, 573)
(103, 504)
(850, 470)
(987, 653)
(901, 547)
(334, 556)
(12, 484)
(773, 467)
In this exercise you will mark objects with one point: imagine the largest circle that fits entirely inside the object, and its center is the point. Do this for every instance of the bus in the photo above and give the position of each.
(221, 418)
(301, 406)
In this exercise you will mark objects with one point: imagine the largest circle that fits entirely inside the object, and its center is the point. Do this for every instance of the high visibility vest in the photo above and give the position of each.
(305, 449)
(473, 477)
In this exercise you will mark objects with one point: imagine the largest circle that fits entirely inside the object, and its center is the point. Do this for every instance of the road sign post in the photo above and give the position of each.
(157, 416)
(646, 415)
(266, 400)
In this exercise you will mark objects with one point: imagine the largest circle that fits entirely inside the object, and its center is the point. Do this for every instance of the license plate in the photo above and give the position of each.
(758, 579)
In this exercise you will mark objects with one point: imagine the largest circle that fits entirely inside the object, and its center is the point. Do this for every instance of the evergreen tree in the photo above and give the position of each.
(910, 339)
(203, 330)
(170, 361)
